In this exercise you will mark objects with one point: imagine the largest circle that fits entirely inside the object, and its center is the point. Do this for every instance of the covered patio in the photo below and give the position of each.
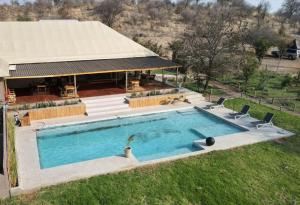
(44, 82)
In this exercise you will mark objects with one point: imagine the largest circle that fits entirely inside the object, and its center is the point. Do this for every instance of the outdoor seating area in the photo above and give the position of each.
(62, 88)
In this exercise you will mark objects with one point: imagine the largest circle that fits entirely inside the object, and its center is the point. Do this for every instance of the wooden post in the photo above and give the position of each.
(2, 90)
(176, 77)
(116, 79)
(5, 86)
(75, 85)
(126, 81)
(162, 76)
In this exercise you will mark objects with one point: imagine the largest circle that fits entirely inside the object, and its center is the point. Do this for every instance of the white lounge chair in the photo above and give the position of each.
(244, 113)
(266, 122)
(218, 104)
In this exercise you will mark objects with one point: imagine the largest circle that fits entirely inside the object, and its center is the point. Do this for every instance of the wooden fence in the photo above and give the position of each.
(154, 100)
(53, 112)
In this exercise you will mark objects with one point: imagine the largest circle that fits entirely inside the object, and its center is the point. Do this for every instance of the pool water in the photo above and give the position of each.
(155, 136)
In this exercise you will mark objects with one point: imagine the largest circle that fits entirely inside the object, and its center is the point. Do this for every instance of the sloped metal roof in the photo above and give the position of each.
(61, 41)
(64, 40)
(89, 67)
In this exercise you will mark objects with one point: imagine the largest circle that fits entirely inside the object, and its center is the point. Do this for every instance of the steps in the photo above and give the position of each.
(194, 98)
(101, 105)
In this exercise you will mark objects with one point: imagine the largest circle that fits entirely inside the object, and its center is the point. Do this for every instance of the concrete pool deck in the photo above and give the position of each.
(32, 177)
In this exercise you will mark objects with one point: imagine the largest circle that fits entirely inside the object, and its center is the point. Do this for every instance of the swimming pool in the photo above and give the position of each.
(157, 136)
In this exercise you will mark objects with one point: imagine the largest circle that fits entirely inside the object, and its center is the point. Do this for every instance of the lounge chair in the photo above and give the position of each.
(244, 113)
(267, 121)
(218, 104)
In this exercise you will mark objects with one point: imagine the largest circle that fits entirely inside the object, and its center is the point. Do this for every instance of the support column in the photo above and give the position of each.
(75, 85)
(3, 89)
(116, 79)
(176, 77)
(126, 81)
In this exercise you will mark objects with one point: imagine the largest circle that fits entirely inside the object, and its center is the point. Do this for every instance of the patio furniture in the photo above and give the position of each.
(41, 89)
(218, 104)
(135, 86)
(68, 91)
(244, 113)
(267, 121)
(148, 76)
(11, 96)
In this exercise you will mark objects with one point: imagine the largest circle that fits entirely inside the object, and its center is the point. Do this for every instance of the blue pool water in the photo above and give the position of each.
(156, 136)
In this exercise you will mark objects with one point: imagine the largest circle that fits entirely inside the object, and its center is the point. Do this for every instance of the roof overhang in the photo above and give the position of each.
(57, 69)
(4, 68)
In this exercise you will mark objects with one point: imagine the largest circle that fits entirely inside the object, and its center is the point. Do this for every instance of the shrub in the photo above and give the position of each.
(12, 161)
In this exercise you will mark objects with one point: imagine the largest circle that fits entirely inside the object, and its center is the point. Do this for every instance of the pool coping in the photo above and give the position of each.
(32, 177)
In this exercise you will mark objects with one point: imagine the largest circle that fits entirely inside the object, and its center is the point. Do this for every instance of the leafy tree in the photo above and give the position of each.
(209, 42)
(261, 40)
(262, 45)
(249, 66)
(286, 81)
(263, 80)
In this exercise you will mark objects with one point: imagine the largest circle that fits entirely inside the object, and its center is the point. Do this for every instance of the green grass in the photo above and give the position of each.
(12, 161)
(166, 72)
(265, 173)
(271, 89)
(214, 90)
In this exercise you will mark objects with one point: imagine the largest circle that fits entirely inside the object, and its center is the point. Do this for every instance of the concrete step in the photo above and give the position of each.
(104, 97)
(103, 100)
(102, 105)
(106, 108)
(105, 104)
(109, 112)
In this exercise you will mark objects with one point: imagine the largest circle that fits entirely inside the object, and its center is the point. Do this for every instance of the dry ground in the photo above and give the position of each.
(283, 66)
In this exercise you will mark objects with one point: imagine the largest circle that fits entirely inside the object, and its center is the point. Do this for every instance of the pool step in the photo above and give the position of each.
(97, 106)
(195, 98)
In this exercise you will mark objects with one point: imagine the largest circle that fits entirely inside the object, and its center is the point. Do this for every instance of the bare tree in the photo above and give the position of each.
(261, 12)
(210, 44)
(42, 7)
(108, 10)
(290, 8)
(65, 9)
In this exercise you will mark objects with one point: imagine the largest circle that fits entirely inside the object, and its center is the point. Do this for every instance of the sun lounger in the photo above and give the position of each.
(219, 103)
(267, 121)
(244, 113)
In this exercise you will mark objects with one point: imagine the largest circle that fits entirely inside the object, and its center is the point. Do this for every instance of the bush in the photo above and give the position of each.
(12, 161)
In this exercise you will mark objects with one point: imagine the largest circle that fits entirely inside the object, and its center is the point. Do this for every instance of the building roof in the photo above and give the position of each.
(89, 67)
(61, 41)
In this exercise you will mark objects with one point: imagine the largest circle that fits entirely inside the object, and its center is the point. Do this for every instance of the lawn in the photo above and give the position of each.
(265, 173)
(267, 84)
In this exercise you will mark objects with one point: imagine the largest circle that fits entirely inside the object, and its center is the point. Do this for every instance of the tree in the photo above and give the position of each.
(286, 81)
(65, 9)
(248, 66)
(178, 56)
(108, 10)
(155, 47)
(289, 9)
(261, 40)
(261, 12)
(210, 42)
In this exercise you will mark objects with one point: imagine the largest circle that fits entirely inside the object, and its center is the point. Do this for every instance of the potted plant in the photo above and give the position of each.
(127, 150)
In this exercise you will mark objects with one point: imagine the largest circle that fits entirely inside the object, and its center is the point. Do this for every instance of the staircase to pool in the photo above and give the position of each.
(101, 105)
